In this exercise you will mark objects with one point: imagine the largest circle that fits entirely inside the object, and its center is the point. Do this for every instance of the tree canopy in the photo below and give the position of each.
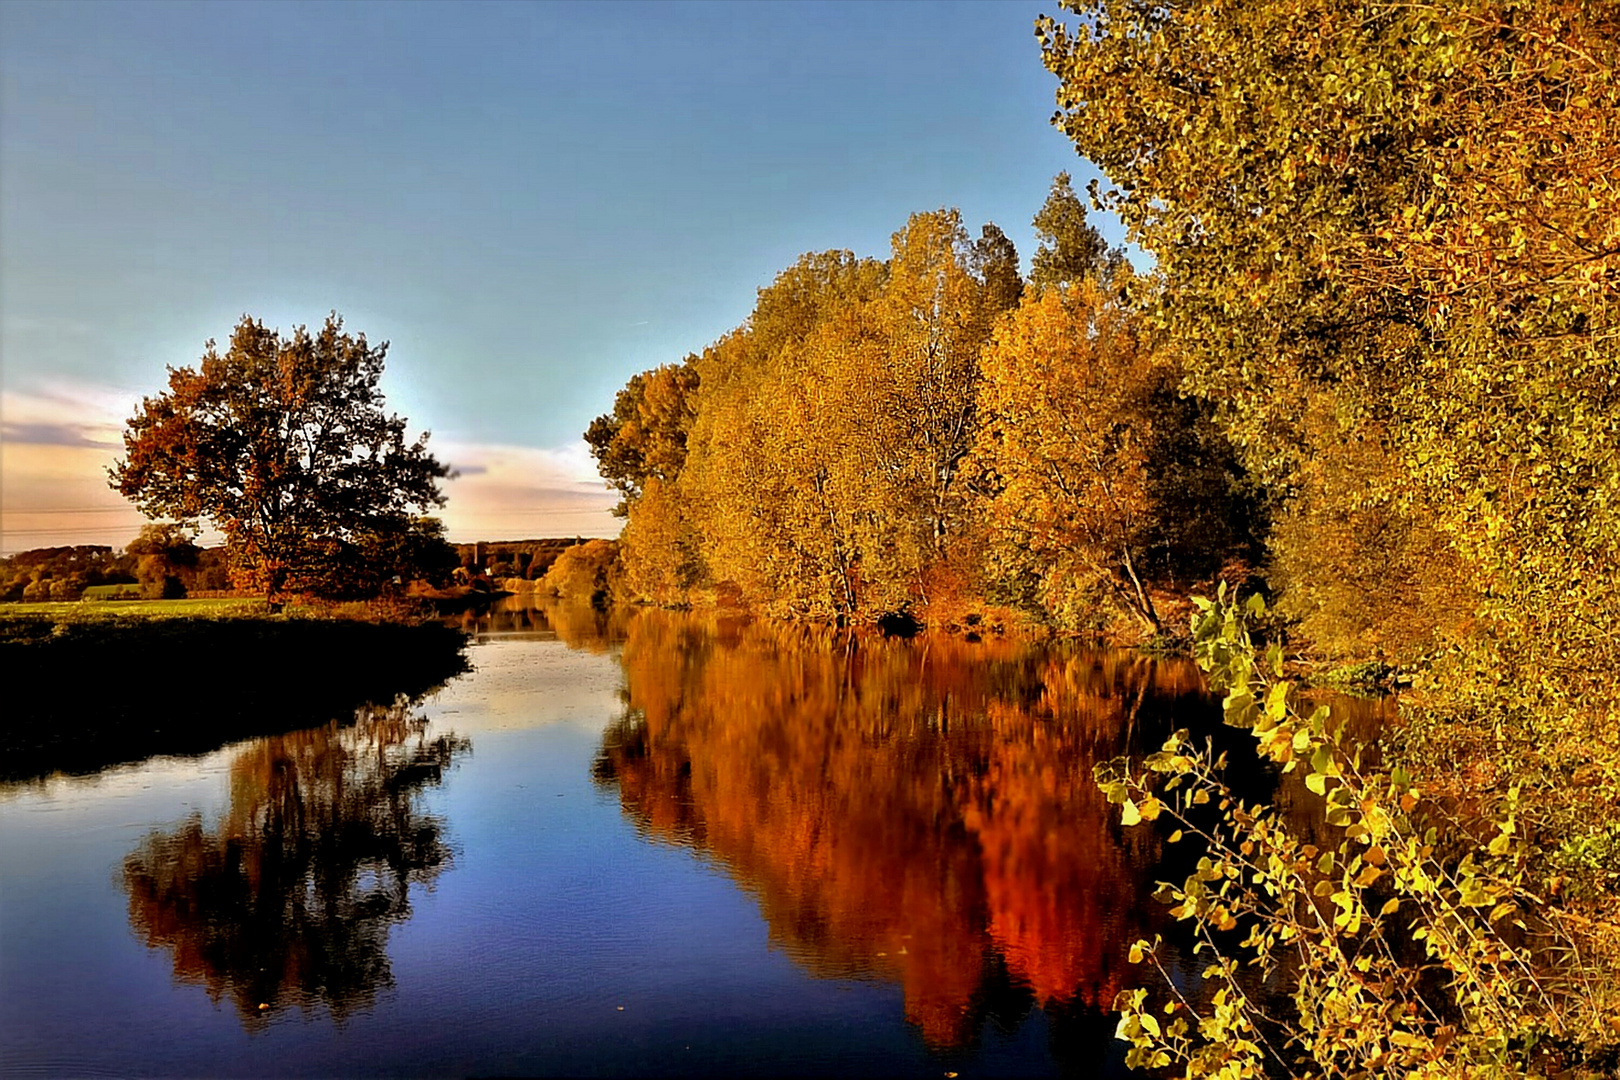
(1388, 255)
(284, 444)
(1372, 370)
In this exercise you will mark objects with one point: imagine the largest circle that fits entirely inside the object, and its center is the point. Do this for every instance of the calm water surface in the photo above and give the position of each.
(645, 844)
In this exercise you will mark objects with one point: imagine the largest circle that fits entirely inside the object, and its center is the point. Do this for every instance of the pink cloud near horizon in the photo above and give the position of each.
(56, 445)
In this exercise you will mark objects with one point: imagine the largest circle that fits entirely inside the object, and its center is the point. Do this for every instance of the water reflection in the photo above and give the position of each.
(919, 812)
(527, 617)
(288, 898)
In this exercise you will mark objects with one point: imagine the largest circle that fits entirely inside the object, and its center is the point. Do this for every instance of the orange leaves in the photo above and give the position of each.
(283, 443)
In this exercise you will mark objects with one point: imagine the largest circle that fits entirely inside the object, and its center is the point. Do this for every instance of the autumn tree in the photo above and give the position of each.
(1401, 220)
(774, 480)
(935, 316)
(163, 551)
(1070, 249)
(994, 262)
(811, 459)
(584, 572)
(1067, 383)
(283, 443)
(1398, 218)
(382, 558)
(1388, 243)
(644, 437)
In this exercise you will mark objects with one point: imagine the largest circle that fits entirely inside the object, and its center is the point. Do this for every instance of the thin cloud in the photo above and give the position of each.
(39, 434)
(513, 492)
(65, 414)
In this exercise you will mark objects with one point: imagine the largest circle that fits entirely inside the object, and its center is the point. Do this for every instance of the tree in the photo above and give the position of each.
(161, 551)
(644, 437)
(1068, 385)
(1071, 248)
(382, 559)
(934, 317)
(586, 572)
(995, 264)
(1401, 218)
(283, 443)
(1388, 242)
(774, 521)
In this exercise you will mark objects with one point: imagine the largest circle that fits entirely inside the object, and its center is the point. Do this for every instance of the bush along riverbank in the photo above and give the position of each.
(93, 692)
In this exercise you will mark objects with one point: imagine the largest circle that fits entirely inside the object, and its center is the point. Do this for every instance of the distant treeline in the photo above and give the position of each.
(162, 562)
(526, 559)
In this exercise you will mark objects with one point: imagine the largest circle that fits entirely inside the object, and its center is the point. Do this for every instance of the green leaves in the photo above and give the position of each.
(1341, 911)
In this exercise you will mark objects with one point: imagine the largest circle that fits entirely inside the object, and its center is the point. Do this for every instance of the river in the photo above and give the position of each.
(631, 844)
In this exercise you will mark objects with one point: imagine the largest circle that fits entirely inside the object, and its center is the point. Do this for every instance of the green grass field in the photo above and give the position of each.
(146, 609)
(113, 592)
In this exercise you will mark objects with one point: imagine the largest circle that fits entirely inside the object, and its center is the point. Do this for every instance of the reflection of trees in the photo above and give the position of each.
(922, 811)
(288, 898)
(578, 625)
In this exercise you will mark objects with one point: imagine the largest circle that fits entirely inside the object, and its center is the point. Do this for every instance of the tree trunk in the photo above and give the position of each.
(1143, 606)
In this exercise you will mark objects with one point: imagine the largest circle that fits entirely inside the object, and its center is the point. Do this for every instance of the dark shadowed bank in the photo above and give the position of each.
(85, 695)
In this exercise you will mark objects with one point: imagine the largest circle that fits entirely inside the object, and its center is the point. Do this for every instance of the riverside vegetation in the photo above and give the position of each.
(1367, 374)
(1373, 375)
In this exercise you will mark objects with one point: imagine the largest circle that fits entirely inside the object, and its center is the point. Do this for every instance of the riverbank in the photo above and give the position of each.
(100, 685)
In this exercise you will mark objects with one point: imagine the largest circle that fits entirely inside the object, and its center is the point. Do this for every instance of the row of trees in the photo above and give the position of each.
(162, 561)
(906, 435)
(1377, 357)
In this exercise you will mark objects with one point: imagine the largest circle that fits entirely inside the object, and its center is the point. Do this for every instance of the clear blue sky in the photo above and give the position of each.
(531, 201)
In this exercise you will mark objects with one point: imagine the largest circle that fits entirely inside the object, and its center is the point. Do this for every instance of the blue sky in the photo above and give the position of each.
(530, 201)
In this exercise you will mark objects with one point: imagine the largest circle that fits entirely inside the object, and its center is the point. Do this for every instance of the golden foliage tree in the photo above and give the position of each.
(1399, 221)
(1108, 481)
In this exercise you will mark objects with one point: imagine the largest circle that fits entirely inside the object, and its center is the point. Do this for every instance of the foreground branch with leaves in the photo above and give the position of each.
(1413, 946)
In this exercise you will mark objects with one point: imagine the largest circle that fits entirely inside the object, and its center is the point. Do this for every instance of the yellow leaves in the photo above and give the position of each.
(1066, 413)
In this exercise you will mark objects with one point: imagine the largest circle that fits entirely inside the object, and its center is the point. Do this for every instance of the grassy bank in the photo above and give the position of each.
(102, 684)
(76, 610)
